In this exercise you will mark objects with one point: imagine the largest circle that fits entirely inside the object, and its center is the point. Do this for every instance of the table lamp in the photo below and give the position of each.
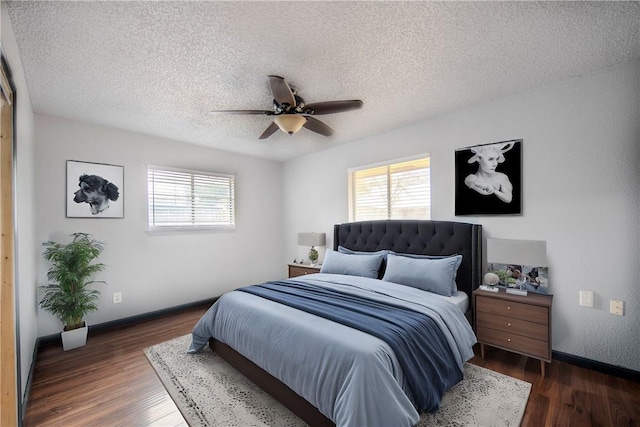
(313, 240)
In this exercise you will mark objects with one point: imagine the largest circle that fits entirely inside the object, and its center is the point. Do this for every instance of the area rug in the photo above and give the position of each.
(209, 392)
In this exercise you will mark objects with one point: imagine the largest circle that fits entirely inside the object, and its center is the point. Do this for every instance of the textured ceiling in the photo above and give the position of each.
(159, 68)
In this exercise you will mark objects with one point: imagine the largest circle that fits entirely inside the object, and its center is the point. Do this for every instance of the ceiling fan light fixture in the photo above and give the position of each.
(290, 123)
(291, 113)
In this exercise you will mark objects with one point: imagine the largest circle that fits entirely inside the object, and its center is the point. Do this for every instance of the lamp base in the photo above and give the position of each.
(313, 256)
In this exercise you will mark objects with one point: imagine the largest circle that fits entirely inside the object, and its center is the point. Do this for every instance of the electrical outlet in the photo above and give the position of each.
(616, 307)
(586, 298)
(117, 297)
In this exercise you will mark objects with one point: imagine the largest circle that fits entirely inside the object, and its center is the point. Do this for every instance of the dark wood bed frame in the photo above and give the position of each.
(434, 238)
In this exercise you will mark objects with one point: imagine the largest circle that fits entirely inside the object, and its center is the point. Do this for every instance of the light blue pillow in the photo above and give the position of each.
(433, 275)
(454, 288)
(344, 250)
(419, 256)
(351, 264)
(382, 252)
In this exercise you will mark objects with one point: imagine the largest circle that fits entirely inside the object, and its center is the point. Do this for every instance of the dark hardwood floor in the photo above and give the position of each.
(110, 383)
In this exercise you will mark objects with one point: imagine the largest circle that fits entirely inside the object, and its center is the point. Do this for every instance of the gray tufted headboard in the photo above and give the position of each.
(422, 238)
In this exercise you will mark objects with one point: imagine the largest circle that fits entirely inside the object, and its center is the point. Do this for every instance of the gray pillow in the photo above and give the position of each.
(351, 264)
(433, 275)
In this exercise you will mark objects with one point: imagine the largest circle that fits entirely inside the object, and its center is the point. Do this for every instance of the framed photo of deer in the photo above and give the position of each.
(489, 179)
(94, 190)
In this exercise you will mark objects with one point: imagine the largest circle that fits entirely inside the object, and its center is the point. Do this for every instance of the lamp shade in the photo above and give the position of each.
(290, 123)
(311, 239)
(521, 252)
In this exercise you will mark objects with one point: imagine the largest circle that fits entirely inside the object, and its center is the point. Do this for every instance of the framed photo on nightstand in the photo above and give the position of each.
(525, 277)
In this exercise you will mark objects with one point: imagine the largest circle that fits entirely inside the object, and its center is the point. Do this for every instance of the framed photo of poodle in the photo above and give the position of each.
(94, 190)
(489, 179)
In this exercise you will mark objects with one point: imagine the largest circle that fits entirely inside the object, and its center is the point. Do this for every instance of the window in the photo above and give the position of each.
(183, 199)
(400, 189)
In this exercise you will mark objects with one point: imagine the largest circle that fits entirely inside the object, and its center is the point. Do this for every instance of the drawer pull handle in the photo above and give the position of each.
(508, 324)
(508, 308)
(508, 339)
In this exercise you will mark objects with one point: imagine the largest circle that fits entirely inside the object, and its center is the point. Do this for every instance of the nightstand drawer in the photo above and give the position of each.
(514, 342)
(537, 331)
(301, 270)
(531, 313)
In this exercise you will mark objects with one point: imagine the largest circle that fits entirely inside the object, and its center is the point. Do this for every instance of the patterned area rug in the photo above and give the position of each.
(209, 392)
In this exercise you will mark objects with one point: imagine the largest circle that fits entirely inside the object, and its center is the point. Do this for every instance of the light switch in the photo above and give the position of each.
(586, 298)
(616, 307)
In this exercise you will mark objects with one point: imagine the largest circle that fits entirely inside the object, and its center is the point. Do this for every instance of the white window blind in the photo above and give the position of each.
(188, 199)
(400, 189)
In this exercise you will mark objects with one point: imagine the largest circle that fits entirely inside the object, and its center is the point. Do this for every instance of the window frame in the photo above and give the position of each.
(388, 164)
(193, 226)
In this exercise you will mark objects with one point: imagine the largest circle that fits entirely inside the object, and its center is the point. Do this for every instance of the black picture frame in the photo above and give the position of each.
(94, 190)
(483, 175)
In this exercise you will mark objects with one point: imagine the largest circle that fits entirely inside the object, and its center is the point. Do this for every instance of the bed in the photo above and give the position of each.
(324, 344)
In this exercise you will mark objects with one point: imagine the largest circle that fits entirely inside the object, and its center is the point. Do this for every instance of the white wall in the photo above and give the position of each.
(24, 202)
(581, 194)
(158, 271)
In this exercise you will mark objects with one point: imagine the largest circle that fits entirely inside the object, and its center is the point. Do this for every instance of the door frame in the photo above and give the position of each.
(10, 397)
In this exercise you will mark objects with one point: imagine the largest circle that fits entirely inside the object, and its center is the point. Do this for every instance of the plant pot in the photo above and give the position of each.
(74, 338)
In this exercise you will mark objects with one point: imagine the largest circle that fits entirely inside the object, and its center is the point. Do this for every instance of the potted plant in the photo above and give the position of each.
(68, 296)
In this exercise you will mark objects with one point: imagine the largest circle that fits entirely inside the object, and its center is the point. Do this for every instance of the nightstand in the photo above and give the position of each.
(520, 324)
(296, 270)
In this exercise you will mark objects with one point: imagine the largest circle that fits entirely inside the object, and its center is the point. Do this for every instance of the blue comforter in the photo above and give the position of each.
(419, 344)
(352, 377)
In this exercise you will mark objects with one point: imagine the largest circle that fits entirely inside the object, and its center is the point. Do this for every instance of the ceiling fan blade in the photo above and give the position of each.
(263, 112)
(269, 131)
(317, 126)
(330, 107)
(281, 91)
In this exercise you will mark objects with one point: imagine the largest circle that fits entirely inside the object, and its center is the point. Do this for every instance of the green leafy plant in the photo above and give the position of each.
(505, 279)
(313, 254)
(69, 297)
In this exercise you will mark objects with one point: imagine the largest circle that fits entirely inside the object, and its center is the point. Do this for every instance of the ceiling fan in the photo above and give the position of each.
(292, 113)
